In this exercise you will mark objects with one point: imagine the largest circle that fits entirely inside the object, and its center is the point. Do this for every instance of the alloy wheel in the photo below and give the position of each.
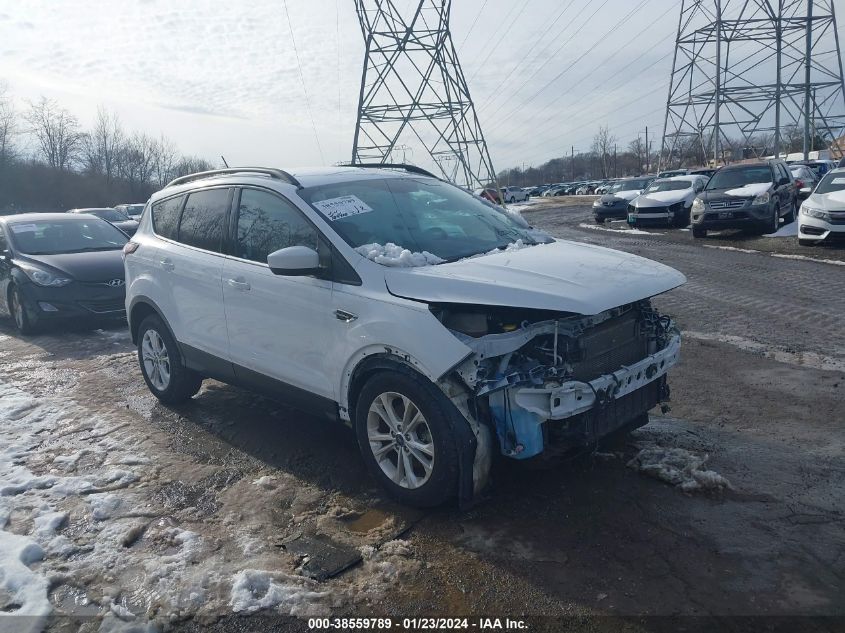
(156, 359)
(400, 439)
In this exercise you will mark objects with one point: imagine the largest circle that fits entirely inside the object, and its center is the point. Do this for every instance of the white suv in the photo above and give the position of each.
(442, 328)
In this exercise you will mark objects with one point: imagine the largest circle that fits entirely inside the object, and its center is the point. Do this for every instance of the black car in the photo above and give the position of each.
(59, 266)
(703, 172)
(114, 217)
(750, 196)
(614, 204)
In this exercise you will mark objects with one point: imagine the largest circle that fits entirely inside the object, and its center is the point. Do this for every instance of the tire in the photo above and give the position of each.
(698, 231)
(23, 316)
(433, 481)
(599, 221)
(512, 200)
(793, 213)
(806, 242)
(772, 225)
(161, 364)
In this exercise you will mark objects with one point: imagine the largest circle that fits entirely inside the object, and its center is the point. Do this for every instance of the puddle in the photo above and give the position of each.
(367, 522)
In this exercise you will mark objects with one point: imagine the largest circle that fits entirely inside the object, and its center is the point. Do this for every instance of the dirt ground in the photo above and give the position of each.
(235, 513)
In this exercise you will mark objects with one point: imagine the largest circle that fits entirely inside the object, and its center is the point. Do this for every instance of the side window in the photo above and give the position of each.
(166, 217)
(267, 223)
(3, 245)
(203, 219)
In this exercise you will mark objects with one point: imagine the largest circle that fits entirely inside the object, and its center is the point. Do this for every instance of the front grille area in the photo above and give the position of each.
(727, 204)
(104, 305)
(610, 345)
(737, 215)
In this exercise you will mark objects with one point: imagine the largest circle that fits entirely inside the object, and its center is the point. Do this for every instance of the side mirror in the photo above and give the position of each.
(805, 192)
(294, 261)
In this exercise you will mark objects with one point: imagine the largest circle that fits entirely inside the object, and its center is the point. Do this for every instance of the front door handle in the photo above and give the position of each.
(346, 317)
(239, 283)
(167, 264)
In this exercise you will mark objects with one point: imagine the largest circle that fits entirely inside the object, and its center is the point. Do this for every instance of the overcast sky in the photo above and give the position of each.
(222, 78)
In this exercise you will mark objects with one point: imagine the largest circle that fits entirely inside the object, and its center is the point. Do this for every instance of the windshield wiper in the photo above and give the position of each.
(93, 248)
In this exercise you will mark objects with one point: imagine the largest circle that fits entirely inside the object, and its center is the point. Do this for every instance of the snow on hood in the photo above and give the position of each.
(629, 194)
(662, 198)
(392, 255)
(563, 276)
(749, 191)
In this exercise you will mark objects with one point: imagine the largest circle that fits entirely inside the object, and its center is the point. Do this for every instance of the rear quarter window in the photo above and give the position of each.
(166, 217)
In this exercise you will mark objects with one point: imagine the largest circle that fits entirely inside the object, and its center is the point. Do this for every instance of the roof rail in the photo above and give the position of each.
(278, 174)
(409, 168)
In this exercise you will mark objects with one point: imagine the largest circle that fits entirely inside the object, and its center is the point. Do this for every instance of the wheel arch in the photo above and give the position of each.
(139, 309)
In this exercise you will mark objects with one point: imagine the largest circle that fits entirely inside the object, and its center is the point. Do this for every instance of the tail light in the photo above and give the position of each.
(130, 247)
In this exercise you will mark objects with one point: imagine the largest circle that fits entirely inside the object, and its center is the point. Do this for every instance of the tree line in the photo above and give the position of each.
(49, 162)
(608, 158)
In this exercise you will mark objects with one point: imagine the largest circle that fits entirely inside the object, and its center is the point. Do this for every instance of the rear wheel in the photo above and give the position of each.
(161, 364)
(793, 213)
(22, 314)
(404, 428)
(699, 231)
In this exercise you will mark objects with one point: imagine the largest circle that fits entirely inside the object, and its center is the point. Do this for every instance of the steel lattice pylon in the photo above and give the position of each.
(413, 91)
(740, 78)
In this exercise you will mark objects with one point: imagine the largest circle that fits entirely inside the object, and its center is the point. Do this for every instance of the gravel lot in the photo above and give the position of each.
(237, 512)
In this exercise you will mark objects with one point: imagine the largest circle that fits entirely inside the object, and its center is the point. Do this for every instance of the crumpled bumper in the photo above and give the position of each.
(575, 397)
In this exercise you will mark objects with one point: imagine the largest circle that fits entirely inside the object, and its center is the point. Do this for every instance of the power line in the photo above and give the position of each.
(472, 26)
(537, 41)
(496, 41)
(302, 79)
(579, 58)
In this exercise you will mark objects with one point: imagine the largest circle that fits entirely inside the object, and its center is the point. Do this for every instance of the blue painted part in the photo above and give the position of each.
(516, 427)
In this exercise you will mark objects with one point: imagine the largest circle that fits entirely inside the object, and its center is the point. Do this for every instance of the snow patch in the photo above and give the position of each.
(632, 231)
(804, 359)
(26, 589)
(679, 467)
(392, 255)
(253, 590)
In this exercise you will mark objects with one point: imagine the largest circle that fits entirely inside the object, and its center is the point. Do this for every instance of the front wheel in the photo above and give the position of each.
(404, 428)
(161, 364)
(806, 242)
(699, 231)
(793, 213)
(773, 223)
(25, 320)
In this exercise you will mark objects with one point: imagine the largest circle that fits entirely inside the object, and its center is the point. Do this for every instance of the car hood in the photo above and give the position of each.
(563, 276)
(663, 198)
(620, 195)
(94, 266)
(126, 225)
(747, 191)
(833, 201)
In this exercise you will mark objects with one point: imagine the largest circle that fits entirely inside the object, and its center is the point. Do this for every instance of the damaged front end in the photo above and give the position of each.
(548, 382)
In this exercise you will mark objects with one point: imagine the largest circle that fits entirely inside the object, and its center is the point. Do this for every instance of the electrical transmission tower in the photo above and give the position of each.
(414, 91)
(751, 78)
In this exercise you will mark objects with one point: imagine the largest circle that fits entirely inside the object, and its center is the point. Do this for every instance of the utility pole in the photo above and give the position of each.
(718, 94)
(573, 164)
(647, 152)
(808, 65)
(413, 88)
(779, 79)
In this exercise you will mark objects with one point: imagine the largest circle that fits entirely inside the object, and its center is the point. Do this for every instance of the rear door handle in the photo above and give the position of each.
(167, 264)
(239, 283)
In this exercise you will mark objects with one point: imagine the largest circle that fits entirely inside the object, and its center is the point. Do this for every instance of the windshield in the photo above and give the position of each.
(110, 215)
(732, 178)
(832, 182)
(135, 209)
(628, 185)
(669, 185)
(65, 236)
(416, 214)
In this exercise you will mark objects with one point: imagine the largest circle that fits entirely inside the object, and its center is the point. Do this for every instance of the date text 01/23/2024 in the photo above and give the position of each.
(417, 624)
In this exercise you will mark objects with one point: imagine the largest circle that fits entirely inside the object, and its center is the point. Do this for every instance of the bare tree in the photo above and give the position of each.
(56, 132)
(638, 150)
(136, 161)
(603, 143)
(8, 126)
(164, 161)
(102, 146)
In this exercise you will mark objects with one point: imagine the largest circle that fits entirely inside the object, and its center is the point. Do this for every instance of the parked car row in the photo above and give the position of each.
(752, 196)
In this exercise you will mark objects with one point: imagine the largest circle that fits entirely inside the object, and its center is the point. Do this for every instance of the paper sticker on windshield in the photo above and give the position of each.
(838, 181)
(343, 207)
(23, 228)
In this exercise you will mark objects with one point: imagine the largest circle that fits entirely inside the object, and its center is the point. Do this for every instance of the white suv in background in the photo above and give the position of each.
(442, 328)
